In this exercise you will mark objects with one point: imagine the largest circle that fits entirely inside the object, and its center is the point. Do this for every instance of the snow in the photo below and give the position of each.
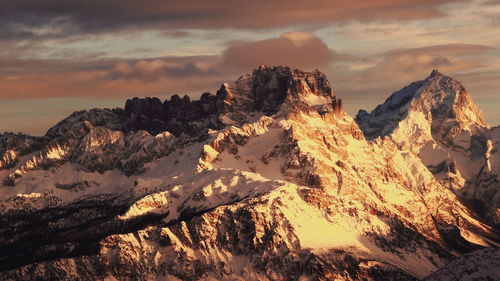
(312, 228)
(401, 96)
(56, 153)
(446, 130)
(264, 167)
(249, 156)
(313, 99)
(30, 195)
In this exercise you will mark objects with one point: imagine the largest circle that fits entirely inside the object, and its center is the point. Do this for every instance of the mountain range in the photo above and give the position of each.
(268, 179)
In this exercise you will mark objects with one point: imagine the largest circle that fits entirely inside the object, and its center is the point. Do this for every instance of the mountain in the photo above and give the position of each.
(437, 120)
(479, 265)
(268, 179)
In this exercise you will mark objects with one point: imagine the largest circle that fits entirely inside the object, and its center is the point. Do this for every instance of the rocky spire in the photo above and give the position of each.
(267, 89)
(264, 91)
(434, 73)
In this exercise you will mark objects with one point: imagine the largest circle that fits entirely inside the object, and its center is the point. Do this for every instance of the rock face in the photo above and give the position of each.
(15, 146)
(437, 120)
(438, 101)
(262, 92)
(268, 179)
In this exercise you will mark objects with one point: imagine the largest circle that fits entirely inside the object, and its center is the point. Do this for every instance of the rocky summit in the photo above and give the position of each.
(268, 179)
(437, 120)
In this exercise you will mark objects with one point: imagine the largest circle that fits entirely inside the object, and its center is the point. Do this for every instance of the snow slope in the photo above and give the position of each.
(268, 179)
(437, 120)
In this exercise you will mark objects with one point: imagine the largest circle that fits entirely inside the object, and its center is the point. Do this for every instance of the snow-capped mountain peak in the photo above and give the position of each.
(268, 179)
(437, 120)
(271, 89)
(437, 107)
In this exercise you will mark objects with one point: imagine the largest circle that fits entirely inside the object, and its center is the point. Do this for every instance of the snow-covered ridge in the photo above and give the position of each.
(443, 102)
(267, 180)
(437, 120)
(264, 91)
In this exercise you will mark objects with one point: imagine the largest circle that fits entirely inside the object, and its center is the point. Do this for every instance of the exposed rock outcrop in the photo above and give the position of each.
(267, 180)
(437, 120)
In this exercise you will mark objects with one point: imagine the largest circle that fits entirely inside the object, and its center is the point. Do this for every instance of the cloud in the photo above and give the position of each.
(106, 78)
(56, 18)
(362, 81)
(446, 49)
(111, 78)
(296, 49)
(408, 64)
(366, 81)
(13, 66)
(156, 69)
(90, 84)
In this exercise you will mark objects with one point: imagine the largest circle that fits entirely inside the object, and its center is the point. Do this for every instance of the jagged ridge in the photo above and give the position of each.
(437, 120)
(243, 200)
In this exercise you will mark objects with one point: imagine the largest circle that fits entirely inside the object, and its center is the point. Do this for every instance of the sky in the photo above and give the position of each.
(59, 56)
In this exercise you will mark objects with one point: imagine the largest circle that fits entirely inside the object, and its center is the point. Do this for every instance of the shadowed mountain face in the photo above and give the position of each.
(479, 265)
(268, 179)
(262, 92)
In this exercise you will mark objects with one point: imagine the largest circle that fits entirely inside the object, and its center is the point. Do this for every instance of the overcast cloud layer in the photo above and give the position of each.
(60, 56)
(28, 18)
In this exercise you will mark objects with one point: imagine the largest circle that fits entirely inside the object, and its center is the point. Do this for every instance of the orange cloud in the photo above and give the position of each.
(89, 84)
(158, 76)
(296, 49)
